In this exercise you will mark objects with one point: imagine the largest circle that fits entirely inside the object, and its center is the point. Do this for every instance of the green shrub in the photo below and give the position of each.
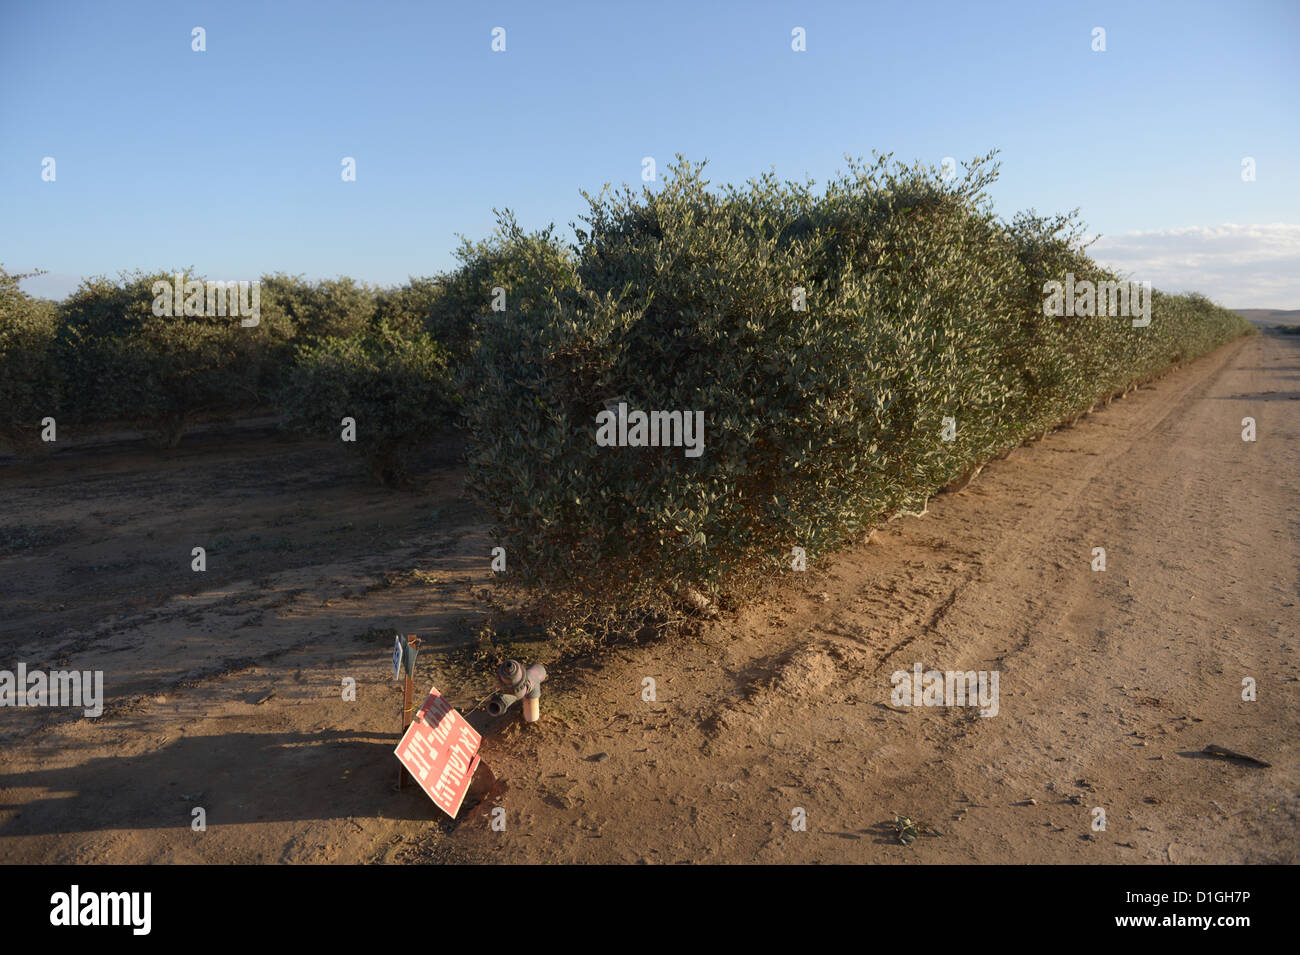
(30, 383)
(397, 390)
(314, 311)
(523, 265)
(123, 363)
(407, 309)
(301, 313)
(920, 305)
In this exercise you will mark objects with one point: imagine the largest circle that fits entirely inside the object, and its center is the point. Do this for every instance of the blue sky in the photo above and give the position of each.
(230, 159)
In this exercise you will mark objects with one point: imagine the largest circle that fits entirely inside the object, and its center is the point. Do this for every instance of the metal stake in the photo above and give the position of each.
(408, 703)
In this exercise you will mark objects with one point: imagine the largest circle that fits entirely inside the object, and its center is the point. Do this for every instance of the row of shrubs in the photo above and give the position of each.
(825, 335)
(921, 305)
(103, 359)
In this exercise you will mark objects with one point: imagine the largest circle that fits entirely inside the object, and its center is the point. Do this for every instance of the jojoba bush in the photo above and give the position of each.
(30, 382)
(521, 265)
(124, 361)
(313, 311)
(407, 309)
(851, 351)
(396, 389)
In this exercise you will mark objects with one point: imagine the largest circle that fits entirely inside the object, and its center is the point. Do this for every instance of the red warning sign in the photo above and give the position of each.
(440, 749)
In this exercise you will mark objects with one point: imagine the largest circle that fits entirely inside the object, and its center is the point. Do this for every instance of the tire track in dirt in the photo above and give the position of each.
(1111, 682)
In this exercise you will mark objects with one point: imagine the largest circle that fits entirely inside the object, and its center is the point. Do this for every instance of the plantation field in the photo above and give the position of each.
(223, 688)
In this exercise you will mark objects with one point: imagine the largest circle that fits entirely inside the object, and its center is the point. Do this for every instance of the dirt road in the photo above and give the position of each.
(1110, 685)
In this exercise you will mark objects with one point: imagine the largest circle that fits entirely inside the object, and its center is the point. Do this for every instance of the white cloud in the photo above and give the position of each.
(1240, 266)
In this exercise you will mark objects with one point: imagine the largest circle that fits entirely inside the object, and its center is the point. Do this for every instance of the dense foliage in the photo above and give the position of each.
(123, 362)
(105, 357)
(30, 382)
(919, 305)
(396, 390)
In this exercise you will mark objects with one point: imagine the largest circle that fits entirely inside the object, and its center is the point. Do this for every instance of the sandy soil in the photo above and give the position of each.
(1111, 683)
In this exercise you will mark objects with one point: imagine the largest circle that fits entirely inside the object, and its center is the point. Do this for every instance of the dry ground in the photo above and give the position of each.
(1111, 683)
